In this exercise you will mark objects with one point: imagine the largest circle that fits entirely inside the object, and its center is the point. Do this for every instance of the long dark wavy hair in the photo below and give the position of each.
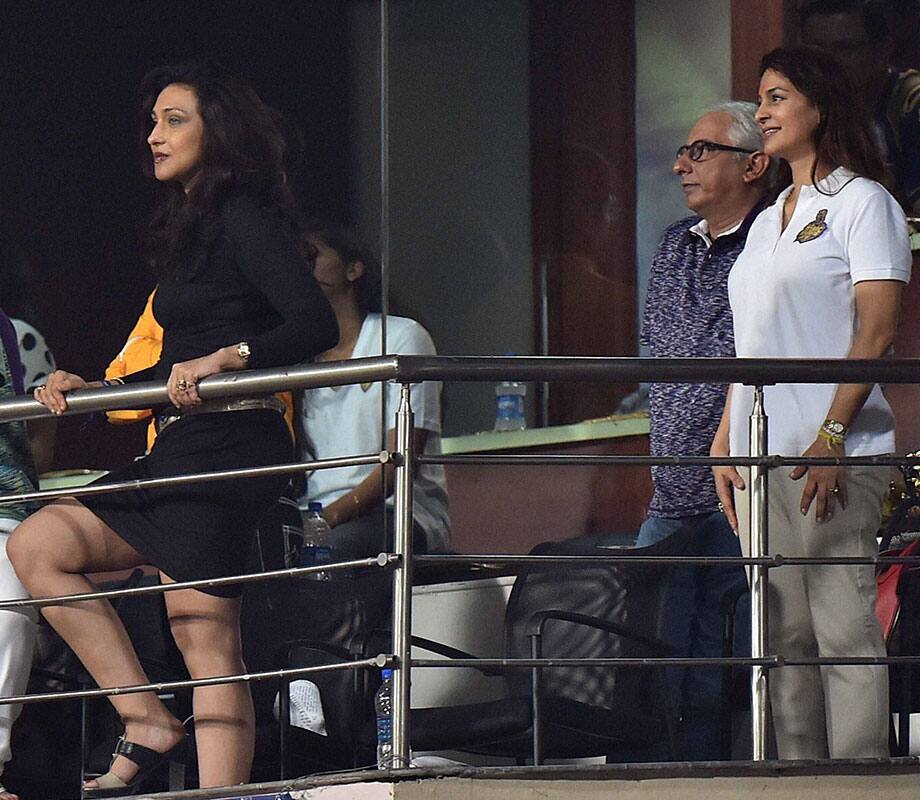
(844, 133)
(243, 148)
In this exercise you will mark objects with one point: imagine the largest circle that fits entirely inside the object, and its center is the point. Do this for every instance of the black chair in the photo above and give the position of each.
(904, 688)
(347, 701)
(300, 623)
(904, 692)
(594, 610)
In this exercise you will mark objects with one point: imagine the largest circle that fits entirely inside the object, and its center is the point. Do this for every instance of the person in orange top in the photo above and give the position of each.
(141, 350)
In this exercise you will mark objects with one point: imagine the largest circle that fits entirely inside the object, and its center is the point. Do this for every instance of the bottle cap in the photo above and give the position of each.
(314, 506)
(386, 674)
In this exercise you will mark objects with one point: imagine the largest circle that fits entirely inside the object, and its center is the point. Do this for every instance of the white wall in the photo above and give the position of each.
(683, 66)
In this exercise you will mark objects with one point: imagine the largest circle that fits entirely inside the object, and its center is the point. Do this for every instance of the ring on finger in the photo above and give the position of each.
(40, 388)
(183, 385)
(835, 490)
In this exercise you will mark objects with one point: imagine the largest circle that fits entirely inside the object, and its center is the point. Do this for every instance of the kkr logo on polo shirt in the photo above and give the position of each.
(814, 228)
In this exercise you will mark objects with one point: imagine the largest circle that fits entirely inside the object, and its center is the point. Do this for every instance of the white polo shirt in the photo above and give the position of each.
(345, 421)
(795, 299)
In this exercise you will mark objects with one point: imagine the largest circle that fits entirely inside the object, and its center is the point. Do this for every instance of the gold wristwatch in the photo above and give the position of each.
(833, 432)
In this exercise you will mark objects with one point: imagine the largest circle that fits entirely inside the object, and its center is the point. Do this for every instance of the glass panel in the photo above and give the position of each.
(459, 178)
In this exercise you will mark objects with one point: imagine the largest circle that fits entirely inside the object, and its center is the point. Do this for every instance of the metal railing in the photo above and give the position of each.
(411, 369)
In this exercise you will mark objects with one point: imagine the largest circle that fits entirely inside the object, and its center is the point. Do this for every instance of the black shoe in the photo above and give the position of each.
(148, 761)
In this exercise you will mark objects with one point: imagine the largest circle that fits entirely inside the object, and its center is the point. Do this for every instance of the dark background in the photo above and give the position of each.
(71, 191)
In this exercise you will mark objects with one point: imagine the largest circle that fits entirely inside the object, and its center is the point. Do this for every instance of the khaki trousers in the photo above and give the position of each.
(827, 611)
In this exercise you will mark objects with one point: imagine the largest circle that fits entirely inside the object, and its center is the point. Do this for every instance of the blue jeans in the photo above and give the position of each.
(695, 625)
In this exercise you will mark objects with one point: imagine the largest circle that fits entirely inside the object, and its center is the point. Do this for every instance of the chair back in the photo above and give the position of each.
(630, 594)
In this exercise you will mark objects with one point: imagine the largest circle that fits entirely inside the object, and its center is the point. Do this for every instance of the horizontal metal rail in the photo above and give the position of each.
(778, 560)
(381, 560)
(563, 460)
(383, 457)
(170, 686)
(610, 661)
(384, 660)
(413, 369)
(493, 562)
(243, 383)
(773, 661)
(750, 371)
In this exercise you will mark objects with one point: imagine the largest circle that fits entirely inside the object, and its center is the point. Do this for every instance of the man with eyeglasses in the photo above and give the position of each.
(726, 180)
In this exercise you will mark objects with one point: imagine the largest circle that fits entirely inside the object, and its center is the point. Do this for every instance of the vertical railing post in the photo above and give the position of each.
(402, 579)
(759, 576)
(384, 172)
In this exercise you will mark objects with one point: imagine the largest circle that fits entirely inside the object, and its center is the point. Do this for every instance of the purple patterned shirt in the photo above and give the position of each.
(687, 315)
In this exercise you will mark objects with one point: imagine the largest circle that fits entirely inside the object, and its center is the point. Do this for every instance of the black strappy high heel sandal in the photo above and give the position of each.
(148, 761)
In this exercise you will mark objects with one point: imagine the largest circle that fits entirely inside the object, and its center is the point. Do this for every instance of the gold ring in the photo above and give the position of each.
(183, 385)
(41, 388)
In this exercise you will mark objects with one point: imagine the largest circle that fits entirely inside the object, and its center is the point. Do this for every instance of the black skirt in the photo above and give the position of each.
(200, 530)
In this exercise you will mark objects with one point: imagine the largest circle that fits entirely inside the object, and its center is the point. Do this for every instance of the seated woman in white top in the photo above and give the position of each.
(346, 420)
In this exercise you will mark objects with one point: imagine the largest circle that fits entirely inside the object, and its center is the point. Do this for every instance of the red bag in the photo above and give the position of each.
(888, 604)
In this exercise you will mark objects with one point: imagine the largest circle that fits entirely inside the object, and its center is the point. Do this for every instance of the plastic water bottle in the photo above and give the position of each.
(509, 406)
(383, 707)
(317, 541)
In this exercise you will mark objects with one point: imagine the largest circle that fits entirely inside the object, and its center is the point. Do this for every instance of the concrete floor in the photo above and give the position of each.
(897, 779)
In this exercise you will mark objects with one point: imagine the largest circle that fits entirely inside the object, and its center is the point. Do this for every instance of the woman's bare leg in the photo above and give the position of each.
(207, 631)
(51, 552)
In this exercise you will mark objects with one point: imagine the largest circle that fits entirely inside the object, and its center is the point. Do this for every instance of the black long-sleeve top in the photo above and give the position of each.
(254, 287)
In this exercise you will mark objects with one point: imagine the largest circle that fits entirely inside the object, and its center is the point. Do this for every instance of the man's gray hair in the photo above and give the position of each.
(744, 130)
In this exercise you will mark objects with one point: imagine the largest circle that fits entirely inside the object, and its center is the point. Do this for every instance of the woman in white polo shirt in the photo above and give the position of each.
(820, 277)
(346, 420)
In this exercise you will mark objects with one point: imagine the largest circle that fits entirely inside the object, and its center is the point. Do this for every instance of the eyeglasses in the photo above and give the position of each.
(696, 150)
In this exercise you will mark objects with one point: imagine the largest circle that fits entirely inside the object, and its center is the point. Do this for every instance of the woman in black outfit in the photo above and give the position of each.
(233, 294)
